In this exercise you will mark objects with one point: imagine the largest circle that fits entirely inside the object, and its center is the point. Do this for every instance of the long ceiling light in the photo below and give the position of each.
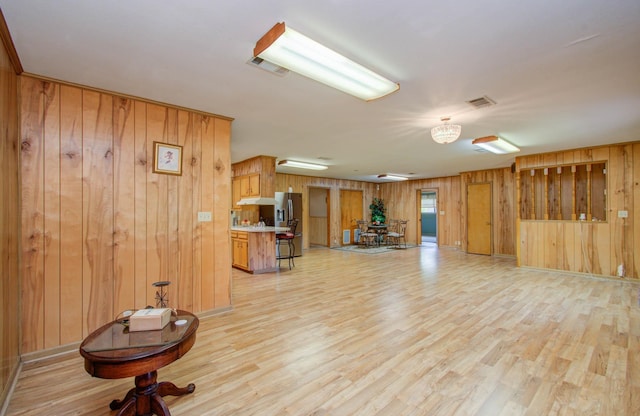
(287, 48)
(392, 177)
(301, 165)
(446, 133)
(496, 145)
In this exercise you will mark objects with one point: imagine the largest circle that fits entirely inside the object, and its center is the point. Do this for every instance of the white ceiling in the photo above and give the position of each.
(564, 74)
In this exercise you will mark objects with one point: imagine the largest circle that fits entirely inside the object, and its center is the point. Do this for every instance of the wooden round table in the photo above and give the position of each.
(113, 352)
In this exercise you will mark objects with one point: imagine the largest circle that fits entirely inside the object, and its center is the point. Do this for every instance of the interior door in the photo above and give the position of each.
(479, 218)
(350, 211)
(319, 203)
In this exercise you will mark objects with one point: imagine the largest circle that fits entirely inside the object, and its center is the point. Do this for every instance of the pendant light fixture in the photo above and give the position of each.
(446, 133)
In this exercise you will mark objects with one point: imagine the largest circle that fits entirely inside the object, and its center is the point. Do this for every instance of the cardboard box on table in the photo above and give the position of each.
(149, 319)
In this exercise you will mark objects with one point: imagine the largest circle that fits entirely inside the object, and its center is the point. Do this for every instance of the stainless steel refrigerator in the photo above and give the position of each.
(289, 206)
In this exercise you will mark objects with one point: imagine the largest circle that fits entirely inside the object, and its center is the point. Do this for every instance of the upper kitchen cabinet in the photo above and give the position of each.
(250, 185)
(253, 178)
(245, 186)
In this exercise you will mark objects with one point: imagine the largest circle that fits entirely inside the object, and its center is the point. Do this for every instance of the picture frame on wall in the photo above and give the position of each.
(167, 158)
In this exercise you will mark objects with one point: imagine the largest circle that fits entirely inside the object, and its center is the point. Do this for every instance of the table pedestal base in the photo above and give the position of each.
(145, 399)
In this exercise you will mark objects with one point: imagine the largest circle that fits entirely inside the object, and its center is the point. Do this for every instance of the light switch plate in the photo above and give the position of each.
(204, 216)
(623, 214)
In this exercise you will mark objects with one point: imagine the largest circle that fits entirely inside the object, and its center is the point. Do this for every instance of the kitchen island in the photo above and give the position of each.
(254, 248)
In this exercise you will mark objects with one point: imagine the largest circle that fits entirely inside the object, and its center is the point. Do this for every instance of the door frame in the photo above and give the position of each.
(419, 193)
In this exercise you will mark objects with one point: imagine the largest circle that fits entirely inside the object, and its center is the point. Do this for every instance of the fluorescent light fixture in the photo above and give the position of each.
(392, 177)
(301, 165)
(495, 144)
(289, 49)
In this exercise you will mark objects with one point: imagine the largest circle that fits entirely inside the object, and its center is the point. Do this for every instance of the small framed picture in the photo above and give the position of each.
(167, 158)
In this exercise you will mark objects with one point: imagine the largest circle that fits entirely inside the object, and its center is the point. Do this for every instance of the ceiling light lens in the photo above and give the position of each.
(301, 165)
(392, 177)
(446, 133)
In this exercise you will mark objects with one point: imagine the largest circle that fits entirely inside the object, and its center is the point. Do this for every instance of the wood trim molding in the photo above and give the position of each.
(127, 96)
(9, 46)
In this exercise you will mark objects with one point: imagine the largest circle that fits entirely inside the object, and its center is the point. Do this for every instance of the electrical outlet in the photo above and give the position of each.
(204, 216)
(441, 212)
(623, 214)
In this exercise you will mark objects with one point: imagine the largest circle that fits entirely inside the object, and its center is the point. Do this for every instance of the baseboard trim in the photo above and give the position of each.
(50, 352)
(12, 381)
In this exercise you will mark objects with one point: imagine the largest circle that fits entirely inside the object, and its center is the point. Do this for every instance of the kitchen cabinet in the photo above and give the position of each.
(254, 249)
(235, 194)
(245, 186)
(240, 252)
(250, 185)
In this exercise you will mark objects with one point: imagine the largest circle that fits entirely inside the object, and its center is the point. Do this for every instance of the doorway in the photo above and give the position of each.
(428, 217)
(319, 216)
(479, 229)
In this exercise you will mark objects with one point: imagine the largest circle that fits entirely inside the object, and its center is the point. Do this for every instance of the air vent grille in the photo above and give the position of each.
(481, 102)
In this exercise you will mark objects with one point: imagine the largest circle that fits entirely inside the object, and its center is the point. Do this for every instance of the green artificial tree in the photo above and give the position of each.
(378, 211)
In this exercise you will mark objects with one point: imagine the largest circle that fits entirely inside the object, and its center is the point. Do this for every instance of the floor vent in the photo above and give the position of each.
(268, 66)
(481, 102)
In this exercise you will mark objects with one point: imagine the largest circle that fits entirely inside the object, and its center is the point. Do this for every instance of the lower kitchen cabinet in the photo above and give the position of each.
(240, 244)
(254, 251)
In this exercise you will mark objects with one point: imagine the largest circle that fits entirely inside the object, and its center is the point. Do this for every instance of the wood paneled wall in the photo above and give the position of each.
(302, 183)
(9, 223)
(401, 200)
(596, 248)
(98, 227)
(582, 246)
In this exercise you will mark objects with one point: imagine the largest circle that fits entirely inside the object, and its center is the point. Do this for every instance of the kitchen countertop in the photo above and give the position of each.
(256, 229)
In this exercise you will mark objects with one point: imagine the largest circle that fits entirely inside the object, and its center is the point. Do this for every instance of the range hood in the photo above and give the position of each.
(262, 200)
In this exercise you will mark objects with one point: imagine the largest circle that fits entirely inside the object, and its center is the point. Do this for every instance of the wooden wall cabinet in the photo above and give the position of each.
(567, 192)
(235, 193)
(245, 186)
(252, 178)
(250, 185)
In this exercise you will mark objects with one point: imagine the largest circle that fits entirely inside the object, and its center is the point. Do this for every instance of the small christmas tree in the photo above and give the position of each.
(378, 211)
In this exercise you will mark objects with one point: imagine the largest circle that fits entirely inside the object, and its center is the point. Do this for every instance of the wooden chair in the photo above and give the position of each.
(367, 238)
(396, 237)
(287, 238)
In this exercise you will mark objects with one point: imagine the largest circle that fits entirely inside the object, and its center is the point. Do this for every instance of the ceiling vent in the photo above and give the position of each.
(268, 66)
(481, 102)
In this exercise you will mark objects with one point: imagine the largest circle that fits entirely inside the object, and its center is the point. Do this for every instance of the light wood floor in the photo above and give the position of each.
(420, 331)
